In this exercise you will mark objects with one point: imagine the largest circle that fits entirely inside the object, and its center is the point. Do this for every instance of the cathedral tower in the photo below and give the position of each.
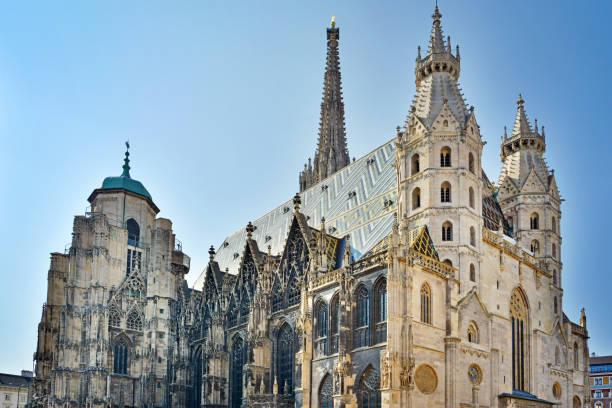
(439, 160)
(528, 193)
(331, 154)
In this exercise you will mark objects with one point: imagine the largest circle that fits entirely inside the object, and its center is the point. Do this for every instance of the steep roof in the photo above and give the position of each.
(15, 380)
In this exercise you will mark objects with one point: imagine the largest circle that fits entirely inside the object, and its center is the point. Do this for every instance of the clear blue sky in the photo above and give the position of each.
(220, 102)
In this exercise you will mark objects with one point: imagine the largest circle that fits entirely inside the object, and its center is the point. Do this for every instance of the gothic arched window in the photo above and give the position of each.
(519, 315)
(321, 325)
(196, 380)
(445, 157)
(362, 317)
(120, 356)
(334, 318)
(445, 192)
(277, 296)
(326, 392)
(426, 304)
(114, 318)
(133, 232)
(535, 247)
(244, 306)
(472, 333)
(232, 314)
(472, 236)
(472, 273)
(416, 198)
(237, 362)
(284, 359)
(576, 357)
(447, 231)
(471, 197)
(471, 162)
(293, 291)
(554, 225)
(415, 166)
(134, 321)
(380, 311)
(368, 393)
(534, 221)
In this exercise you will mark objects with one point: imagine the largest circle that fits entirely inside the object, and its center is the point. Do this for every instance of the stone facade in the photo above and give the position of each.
(454, 305)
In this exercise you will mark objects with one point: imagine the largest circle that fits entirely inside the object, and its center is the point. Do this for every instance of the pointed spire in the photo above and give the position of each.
(126, 161)
(332, 152)
(521, 124)
(436, 42)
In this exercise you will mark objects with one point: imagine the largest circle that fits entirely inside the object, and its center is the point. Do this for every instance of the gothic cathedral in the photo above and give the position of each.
(405, 278)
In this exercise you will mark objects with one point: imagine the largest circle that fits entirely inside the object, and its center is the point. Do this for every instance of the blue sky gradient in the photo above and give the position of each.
(220, 101)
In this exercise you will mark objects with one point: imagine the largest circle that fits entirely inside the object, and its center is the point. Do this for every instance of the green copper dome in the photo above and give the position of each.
(124, 181)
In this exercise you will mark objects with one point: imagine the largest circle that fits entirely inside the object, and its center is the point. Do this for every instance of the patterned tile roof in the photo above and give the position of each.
(359, 200)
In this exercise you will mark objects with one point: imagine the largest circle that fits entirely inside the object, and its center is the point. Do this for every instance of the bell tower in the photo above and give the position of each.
(439, 160)
(528, 193)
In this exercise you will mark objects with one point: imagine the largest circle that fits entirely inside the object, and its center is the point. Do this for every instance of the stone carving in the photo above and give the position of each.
(426, 379)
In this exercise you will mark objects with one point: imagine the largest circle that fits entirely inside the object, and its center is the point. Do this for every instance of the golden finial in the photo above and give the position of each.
(333, 22)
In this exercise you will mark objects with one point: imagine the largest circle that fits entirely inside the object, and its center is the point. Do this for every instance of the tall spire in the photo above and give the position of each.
(332, 153)
(126, 161)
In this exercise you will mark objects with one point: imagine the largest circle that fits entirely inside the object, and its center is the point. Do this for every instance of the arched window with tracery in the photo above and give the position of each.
(416, 198)
(362, 317)
(232, 314)
(334, 317)
(294, 291)
(426, 303)
(472, 236)
(519, 314)
(277, 296)
(472, 273)
(445, 192)
(535, 247)
(380, 311)
(445, 157)
(120, 356)
(534, 221)
(244, 306)
(576, 357)
(415, 165)
(447, 231)
(321, 322)
(471, 162)
(284, 359)
(471, 197)
(195, 398)
(326, 392)
(472, 333)
(133, 232)
(114, 318)
(134, 321)
(237, 362)
(368, 393)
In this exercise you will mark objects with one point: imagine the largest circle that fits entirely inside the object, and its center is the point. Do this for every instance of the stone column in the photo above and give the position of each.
(450, 371)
